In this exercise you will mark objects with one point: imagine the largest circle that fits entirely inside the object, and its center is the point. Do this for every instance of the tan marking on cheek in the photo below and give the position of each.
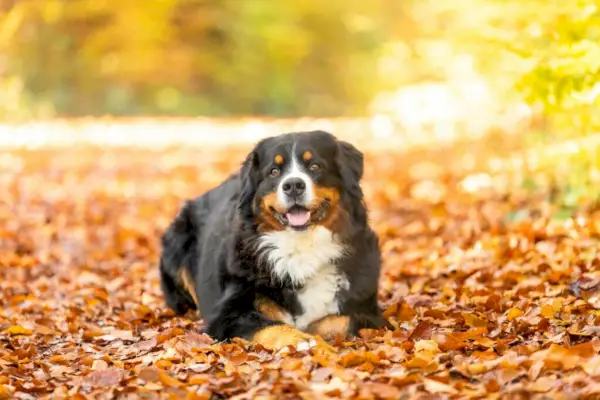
(269, 308)
(307, 155)
(330, 327)
(278, 159)
(326, 193)
(332, 220)
(266, 220)
(271, 201)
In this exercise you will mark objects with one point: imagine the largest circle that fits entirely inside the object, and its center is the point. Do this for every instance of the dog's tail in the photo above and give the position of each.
(179, 245)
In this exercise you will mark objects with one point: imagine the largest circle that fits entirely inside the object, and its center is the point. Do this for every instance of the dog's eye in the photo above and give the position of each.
(275, 172)
(315, 167)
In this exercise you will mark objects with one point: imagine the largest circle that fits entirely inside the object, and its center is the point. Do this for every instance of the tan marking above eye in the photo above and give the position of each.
(307, 155)
(278, 159)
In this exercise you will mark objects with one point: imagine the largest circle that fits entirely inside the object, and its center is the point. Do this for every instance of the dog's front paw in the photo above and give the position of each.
(278, 337)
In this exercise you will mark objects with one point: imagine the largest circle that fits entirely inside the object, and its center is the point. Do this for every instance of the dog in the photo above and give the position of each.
(281, 252)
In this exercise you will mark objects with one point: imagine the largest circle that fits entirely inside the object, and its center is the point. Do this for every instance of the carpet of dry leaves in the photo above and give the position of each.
(490, 296)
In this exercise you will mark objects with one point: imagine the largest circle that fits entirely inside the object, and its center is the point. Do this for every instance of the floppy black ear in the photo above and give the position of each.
(249, 179)
(350, 163)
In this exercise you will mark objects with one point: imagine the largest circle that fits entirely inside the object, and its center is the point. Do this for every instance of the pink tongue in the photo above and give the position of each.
(298, 217)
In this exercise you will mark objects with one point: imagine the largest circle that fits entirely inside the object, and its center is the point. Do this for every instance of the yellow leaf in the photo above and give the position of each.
(476, 369)
(427, 345)
(514, 313)
(421, 360)
(474, 321)
(557, 305)
(5, 392)
(18, 330)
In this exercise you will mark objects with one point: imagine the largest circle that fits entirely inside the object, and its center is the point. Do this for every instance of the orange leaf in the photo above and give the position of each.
(401, 311)
(566, 358)
(547, 311)
(168, 380)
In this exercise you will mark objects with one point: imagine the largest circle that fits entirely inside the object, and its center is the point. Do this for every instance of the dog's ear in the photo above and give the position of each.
(350, 162)
(249, 177)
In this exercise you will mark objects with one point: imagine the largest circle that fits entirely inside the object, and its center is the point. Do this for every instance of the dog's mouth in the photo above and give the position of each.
(299, 217)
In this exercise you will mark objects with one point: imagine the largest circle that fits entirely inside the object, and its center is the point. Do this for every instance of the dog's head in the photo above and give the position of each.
(297, 180)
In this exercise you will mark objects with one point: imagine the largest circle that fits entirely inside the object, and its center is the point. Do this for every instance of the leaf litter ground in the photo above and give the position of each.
(484, 304)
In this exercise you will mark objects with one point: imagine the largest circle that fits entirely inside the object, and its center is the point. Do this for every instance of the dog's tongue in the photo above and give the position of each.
(298, 217)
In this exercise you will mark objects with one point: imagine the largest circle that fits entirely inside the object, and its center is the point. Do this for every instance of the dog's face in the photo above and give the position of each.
(297, 180)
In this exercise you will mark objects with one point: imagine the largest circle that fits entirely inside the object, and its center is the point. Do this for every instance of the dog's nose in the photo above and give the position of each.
(293, 187)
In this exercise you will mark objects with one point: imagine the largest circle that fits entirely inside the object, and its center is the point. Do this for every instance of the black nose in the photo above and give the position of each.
(293, 187)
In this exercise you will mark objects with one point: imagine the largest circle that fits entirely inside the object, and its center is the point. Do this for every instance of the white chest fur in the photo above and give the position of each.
(306, 258)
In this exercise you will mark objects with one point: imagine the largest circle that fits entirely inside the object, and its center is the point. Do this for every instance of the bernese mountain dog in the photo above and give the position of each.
(281, 252)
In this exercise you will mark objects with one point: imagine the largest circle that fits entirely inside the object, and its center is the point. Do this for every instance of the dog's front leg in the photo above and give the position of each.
(237, 315)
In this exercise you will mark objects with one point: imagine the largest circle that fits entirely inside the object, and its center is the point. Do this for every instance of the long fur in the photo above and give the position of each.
(325, 270)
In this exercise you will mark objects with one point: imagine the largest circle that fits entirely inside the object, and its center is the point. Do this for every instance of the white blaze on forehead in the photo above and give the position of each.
(296, 170)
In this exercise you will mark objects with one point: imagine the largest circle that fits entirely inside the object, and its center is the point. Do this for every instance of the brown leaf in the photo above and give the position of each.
(150, 374)
(170, 333)
(321, 374)
(99, 365)
(104, 378)
(459, 340)
(422, 331)
(381, 390)
(401, 311)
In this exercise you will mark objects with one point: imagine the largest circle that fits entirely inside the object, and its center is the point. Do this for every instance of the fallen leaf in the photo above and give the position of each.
(167, 380)
(433, 386)
(17, 330)
(381, 390)
(473, 321)
(99, 365)
(104, 378)
(514, 313)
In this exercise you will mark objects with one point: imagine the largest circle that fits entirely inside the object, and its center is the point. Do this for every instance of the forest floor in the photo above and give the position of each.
(493, 292)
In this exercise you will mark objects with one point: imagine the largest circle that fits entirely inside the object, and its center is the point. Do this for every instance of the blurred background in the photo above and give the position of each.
(398, 72)
(484, 62)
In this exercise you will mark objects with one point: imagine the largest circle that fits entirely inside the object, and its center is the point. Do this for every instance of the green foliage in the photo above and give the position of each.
(560, 45)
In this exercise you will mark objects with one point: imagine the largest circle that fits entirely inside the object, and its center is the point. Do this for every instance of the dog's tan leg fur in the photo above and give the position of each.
(269, 309)
(330, 327)
(187, 281)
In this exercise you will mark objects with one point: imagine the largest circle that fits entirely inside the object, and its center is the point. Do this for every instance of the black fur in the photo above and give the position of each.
(215, 237)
